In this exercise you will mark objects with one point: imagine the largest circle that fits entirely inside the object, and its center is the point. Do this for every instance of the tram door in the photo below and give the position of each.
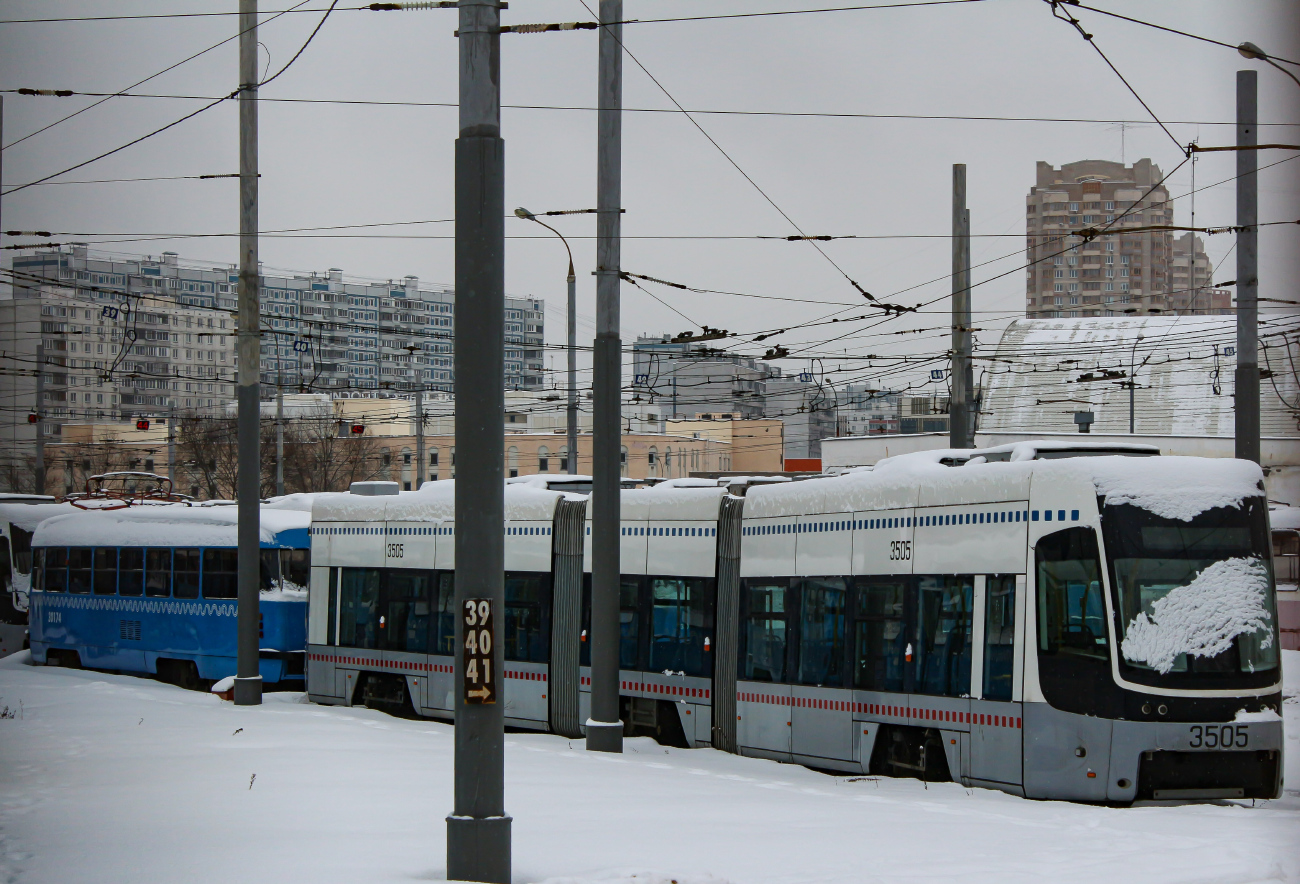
(996, 751)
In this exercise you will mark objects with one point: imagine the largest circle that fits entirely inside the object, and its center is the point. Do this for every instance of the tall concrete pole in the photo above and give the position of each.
(171, 444)
(248, 680)
(1246, 376)
(959, 405)
(421, 468)
(478, 829)
(604, 729)
(972, 401)
(572, 459)
(40, 416)
(279, 422)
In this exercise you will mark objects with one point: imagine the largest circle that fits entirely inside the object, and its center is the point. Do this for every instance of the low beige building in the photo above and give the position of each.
(756, 445)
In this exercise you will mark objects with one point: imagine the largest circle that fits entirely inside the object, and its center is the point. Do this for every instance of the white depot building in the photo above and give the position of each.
(1050, 378)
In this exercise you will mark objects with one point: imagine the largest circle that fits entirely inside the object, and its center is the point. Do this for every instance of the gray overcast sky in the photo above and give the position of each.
(325, 164)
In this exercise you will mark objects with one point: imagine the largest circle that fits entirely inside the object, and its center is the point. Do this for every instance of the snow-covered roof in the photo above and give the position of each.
(434, 502)
(1044, 370)
(1283, 516)
(167, 526)
(28, 515)
(1171, 487)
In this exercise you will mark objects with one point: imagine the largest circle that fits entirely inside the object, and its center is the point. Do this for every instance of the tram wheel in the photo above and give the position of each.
(910, 752)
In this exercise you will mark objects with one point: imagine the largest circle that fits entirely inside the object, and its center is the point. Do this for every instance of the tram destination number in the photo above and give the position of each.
(479, 679)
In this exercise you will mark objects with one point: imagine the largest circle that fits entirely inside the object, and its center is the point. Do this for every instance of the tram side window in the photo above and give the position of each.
(943, 652)
(22, 548)
(629, 623)
(185, 570)
(999, 636)
(105, 571)
(80, 561)
(158, 573)
(823, 601)
(130, 575)
(6, 578)
(681, 619)
(268, 570)
(358, 608)
(880, 634)
(54, 569)
(220, 574)
(332, 608)
(1073, 644)
(446, 622)
(406, 600)
(526, 635)
(765, 630)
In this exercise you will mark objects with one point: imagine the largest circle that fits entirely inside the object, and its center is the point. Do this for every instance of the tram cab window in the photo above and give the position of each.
(6, 575)
(681, 619)
(158, 573)
(22, 549)
(185, 571)
(823, 603)
(943, 648)
(220, 574)
(1073, 642)
(130, 574)
(105, 571)
(880, 634)
(80, 561)
(358, 607)
(332, 608)
(268, 570)
(764, 630)
(999, 636)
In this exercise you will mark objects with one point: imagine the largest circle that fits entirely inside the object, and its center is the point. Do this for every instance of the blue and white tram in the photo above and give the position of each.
(152, 589)
(1096, 628)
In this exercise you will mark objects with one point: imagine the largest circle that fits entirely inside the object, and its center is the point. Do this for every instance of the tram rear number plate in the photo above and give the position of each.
(1218, 736)
(479, 679)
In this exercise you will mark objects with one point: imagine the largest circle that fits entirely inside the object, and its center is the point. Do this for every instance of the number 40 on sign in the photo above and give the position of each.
(479, 680)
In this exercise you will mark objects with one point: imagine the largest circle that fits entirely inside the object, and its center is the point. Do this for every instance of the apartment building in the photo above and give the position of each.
(1074, 273)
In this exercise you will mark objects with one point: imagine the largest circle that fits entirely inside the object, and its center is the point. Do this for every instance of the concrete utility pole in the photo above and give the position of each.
(419, 440)
(40, 416)
(279, 422)
(604, 729)
(959, 423)
(478, 829)
(1246, 377)
(171, 444)
(248, 680)
(572, 459)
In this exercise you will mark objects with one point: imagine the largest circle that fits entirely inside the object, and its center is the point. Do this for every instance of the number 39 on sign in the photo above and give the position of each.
(479, 680)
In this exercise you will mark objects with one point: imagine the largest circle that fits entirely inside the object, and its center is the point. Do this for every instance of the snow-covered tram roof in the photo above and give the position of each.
(28, 515)
(669, 503)
(1171, 487)
(433, 502)
(176, 525)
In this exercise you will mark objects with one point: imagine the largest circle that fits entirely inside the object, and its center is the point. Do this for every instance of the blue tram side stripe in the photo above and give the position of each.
(136, 605)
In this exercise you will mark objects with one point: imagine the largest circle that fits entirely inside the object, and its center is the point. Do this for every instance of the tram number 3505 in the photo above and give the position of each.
(1225, 736)
(479, 680)
(900, 550)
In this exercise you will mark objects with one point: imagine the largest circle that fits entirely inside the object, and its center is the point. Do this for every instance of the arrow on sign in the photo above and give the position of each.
(481, 693)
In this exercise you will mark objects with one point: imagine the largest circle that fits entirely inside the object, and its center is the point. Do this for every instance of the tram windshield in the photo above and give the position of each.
(1194, 600)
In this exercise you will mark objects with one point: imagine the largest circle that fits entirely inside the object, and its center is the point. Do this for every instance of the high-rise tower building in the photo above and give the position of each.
(1129, 269)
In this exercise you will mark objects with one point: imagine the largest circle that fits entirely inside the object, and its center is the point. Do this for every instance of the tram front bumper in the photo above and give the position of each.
(1195, 760)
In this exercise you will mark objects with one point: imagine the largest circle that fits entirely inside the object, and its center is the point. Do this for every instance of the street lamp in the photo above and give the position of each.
(1132, 379)
(1250, 50)
(572, 460)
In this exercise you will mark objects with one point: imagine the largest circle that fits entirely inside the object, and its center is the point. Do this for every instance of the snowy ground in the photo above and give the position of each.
(117, 779)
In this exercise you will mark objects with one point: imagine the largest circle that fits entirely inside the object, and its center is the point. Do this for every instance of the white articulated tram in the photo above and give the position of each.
(1029, 618)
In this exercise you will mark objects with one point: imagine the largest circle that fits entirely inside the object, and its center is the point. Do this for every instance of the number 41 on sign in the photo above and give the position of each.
(478, 679)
